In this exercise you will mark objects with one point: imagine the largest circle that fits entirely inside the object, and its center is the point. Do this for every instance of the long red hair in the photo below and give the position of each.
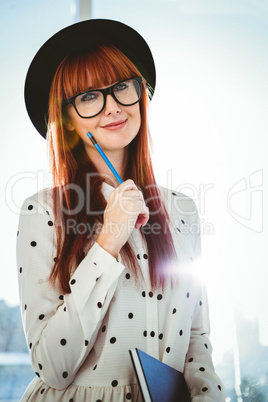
(71, 169)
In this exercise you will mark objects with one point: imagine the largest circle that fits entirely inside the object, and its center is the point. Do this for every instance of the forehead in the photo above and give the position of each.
(92, 87)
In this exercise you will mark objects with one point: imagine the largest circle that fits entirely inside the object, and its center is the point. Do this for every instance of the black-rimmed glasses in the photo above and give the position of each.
(90, 103)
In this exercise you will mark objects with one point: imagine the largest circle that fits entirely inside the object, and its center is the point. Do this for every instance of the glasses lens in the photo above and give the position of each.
(127, 92)
(89, 103)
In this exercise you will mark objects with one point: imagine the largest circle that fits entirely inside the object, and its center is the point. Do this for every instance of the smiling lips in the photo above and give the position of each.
(116, 125)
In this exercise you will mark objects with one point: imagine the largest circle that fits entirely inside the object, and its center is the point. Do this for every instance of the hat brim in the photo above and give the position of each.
(80, 37)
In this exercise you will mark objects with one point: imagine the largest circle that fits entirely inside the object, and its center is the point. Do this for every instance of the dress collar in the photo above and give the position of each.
(106, 189)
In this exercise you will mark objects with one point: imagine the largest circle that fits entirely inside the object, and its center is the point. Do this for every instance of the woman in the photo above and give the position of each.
(104, 268)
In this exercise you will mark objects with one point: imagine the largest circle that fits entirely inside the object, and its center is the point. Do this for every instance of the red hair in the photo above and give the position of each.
(71, 166)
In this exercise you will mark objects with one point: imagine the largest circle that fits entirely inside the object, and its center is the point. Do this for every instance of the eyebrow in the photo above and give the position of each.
(97, 89)
(91, 89)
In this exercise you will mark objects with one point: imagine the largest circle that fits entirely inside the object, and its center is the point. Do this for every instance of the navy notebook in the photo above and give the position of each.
(158, 381)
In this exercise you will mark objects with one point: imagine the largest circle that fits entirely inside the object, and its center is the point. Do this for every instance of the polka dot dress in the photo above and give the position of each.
(79, 342)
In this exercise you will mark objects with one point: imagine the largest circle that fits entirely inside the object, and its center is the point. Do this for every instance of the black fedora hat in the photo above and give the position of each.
(75, 38)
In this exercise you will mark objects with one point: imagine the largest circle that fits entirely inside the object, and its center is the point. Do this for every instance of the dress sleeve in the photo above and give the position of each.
(60, 329)
(203, 383)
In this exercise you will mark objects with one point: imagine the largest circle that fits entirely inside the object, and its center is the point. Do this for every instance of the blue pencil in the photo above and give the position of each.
(96, 145)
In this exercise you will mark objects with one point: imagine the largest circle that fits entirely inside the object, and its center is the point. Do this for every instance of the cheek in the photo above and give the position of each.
(81, 126)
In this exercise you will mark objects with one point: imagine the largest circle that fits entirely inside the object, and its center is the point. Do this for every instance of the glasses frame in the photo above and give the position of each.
(105, 92)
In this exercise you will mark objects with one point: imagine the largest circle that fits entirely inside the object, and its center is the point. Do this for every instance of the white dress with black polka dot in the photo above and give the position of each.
(79, 342)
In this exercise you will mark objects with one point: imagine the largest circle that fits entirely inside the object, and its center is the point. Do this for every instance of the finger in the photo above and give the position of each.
(131, 205)
(133, 194)
(127, 185)
(141, 221)
(123, 191)
(142, 218)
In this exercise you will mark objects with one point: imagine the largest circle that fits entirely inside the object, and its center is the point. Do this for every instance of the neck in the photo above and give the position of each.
(118, 159)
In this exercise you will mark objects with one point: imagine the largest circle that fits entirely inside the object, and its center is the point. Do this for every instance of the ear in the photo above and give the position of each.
(69, 125)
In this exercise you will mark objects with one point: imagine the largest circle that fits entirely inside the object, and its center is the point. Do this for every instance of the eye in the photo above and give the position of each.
(89, 96)
(121, 86)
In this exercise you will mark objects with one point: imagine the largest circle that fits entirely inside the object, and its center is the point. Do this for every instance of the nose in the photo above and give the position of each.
(111, 106)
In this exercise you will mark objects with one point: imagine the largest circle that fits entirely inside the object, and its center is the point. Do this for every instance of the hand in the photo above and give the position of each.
(125, 211)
